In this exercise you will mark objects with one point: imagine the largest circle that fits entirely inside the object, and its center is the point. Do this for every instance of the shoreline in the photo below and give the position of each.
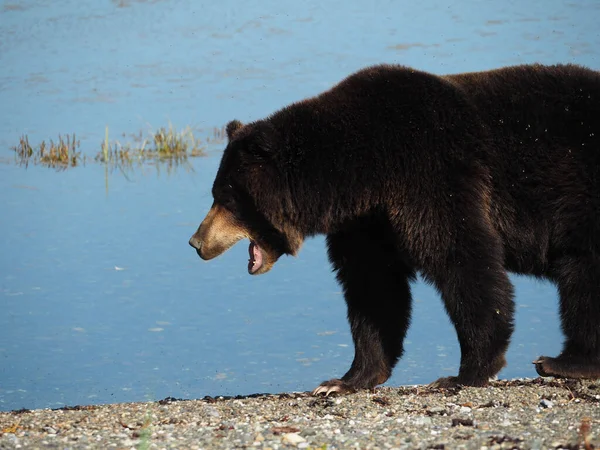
(517, 414)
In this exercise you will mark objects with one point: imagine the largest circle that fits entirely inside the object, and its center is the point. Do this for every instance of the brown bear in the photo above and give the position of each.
(460, 178)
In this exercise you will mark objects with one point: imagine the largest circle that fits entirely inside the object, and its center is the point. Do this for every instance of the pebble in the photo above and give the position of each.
(437, 410)
(422, 421)
(293, 438)
(212, 411)
(509, 414)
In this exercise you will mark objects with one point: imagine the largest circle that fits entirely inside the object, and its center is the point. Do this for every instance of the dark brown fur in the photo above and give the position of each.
(461, 178)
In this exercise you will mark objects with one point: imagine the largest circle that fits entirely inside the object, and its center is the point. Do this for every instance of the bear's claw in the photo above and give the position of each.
(454, 382)
(444, 383)
(539, 367)
(333, 386)
(568, 367)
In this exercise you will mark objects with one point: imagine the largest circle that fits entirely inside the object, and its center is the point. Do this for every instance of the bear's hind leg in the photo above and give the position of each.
(375, 280)
(478, 297)
(578, 280)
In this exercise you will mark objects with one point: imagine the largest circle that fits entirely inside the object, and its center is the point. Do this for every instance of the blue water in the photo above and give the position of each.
(102, 299)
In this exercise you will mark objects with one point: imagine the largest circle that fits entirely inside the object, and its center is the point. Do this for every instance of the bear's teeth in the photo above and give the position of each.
(256, 257)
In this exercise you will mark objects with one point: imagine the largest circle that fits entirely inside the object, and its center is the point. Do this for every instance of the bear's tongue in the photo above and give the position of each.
(256, 259)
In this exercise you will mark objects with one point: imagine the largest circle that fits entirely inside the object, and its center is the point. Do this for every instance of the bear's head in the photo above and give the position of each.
(251, 200)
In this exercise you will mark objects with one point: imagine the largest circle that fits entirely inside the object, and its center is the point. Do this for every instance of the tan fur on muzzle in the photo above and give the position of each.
(218, 232)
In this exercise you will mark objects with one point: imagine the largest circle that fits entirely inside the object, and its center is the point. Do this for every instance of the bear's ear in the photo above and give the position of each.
(232, 127)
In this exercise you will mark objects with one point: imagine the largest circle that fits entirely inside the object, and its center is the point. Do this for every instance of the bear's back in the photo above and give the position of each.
(538, 106)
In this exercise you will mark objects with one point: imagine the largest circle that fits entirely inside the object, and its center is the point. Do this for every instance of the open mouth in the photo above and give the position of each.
(256, 258)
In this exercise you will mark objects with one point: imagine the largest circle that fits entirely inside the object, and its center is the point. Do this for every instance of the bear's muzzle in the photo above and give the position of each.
(217, 233)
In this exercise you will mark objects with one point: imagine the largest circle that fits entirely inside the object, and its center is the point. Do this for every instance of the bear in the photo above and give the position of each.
(461, 178)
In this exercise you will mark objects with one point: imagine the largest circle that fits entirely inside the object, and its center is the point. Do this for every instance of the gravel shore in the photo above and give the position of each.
(518, 414)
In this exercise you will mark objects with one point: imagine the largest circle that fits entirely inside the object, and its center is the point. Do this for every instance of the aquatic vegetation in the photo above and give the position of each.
(218, 135)
(61, 154)
(168, 143)
(164, 147)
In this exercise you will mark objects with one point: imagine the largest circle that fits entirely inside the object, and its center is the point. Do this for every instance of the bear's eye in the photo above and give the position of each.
(258, 153)
(229, 196)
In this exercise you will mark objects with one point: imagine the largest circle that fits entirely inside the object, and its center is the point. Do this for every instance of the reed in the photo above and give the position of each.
(164, 147)
(59, 154)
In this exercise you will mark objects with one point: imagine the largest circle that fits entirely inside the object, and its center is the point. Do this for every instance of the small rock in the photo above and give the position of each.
(128, 443)
(293, 438)
(308, 432)
(422, 421)
(14, 440)
(545, 403)
(437, 410)
(536, 444)
(211, 411)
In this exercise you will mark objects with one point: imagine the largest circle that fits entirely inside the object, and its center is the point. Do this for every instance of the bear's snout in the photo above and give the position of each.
(207, 249)
(196, 242)
(218, 232)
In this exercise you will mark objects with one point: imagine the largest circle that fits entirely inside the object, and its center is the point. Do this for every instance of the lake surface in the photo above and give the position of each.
(102, 298)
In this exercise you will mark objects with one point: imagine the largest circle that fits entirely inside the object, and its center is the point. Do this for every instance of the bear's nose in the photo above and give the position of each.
(195, 242)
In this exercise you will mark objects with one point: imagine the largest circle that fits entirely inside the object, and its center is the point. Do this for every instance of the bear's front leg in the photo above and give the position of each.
(375, 279)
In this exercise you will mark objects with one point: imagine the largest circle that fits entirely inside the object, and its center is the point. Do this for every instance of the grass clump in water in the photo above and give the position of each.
(61, 154)
(166, 145)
